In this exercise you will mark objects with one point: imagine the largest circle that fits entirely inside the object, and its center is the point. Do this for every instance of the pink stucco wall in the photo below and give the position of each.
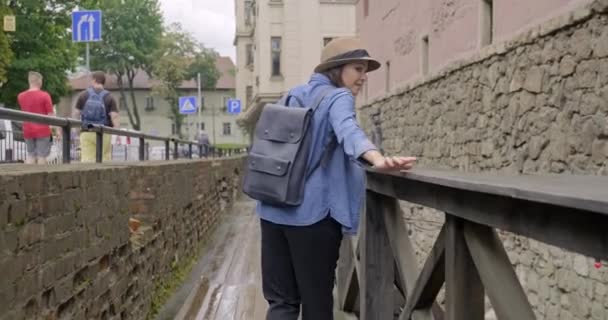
(393, 31)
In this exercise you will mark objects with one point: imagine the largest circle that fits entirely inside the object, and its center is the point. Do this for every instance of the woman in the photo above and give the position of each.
(300, 245)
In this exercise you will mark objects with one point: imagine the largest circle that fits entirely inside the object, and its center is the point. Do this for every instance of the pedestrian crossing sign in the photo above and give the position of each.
(187, 105)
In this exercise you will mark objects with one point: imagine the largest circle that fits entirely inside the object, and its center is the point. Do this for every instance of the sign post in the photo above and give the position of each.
(86, 27)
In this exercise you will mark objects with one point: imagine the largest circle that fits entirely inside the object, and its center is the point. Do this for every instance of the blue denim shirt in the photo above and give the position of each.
(338, 187)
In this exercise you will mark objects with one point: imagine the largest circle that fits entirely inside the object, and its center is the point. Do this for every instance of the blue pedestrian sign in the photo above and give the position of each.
(187, 105)
(86, 26)
(234, 106)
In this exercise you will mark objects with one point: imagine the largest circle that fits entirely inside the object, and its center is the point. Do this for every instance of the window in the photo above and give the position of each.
(225, 103)
(326, 40)
(486, 22)
(149, 103)
(249, 60)
(226, 129)
(388, 76)
(248, 95)
(276, 55)
(200, 126)
(365, 8)
(425, 55)
(173, 130)
(248, 12)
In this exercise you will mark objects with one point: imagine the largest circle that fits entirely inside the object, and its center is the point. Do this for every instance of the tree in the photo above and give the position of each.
(179, 58)
(6, 54)
(131, 33)
(42, 42)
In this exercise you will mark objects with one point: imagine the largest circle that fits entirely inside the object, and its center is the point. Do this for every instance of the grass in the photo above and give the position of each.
(166, 286)
(230, 146)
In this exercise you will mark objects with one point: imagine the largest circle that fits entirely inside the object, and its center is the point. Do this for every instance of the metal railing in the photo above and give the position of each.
(378, 275)
(171, 144)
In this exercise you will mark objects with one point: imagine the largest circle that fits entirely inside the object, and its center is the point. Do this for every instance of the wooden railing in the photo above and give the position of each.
(570, 212)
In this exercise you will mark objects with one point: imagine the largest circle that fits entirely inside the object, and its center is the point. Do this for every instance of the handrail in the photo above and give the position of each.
(567, 211)
(68, 123)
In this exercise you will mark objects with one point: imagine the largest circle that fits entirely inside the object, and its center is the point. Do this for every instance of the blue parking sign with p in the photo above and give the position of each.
(234, 106)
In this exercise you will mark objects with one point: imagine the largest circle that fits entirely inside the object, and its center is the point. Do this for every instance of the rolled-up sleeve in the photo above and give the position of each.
(342, 118)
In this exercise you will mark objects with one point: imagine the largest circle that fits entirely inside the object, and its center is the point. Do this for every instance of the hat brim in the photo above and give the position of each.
(372, 64)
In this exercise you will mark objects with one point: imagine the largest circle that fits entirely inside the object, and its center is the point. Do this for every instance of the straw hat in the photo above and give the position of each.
(341, 51)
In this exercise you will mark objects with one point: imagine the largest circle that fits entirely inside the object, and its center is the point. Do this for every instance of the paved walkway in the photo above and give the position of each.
(228, 285)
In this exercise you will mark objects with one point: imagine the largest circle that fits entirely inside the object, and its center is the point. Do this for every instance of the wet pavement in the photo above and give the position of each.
(226, 282)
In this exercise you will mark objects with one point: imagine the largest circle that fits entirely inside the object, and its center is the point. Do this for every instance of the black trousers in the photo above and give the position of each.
(298, 269)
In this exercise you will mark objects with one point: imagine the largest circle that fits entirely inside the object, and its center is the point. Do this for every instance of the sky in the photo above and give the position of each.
(210, 21)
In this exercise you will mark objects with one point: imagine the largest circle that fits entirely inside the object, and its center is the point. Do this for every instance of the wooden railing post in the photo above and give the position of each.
(463, 288)
(377, 263)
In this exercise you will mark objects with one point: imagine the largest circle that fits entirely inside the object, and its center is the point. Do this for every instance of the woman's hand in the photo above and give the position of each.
(394, 163)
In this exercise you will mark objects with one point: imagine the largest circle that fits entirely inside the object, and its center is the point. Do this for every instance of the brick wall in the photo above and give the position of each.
(535, 104)
(66, 251)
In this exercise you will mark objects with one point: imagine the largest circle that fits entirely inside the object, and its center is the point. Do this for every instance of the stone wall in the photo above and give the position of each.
(66, 250)
(535, 104)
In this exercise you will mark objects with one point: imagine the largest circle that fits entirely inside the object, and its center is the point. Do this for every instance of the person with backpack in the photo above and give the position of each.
(96, 106)
(306, 169)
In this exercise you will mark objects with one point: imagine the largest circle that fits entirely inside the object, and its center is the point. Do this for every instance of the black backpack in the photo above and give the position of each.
(277, 170)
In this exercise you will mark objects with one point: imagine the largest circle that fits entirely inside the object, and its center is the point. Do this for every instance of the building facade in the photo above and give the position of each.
(423, 37)
(154, 111)
(503, 87)
(279, 43)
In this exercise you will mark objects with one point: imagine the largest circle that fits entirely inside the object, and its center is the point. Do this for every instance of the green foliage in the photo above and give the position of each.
(42, 42)
(6, 54)
(230, 146)
(179, 58)
(131, 33)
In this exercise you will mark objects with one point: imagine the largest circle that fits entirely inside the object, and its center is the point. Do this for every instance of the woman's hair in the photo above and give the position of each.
(335, 76)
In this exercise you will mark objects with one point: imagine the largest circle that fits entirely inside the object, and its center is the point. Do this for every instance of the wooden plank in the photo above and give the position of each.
(463, 289)
(227, 307)
(209, 307)
(544, 222)
(246, 304)
(403, 251)
(571, 191)
(503, 288)
(430, 281)
(347, 278)
(344, 272)
(377, 274)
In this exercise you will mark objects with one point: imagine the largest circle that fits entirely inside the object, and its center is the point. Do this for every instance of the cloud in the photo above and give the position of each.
(210, 21)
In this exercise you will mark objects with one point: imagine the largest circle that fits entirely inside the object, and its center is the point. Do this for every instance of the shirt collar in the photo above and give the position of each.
(319, 79)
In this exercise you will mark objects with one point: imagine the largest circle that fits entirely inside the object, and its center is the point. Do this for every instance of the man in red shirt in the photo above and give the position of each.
(37, 136)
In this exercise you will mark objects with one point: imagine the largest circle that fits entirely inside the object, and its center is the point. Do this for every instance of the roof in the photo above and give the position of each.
(143, 82)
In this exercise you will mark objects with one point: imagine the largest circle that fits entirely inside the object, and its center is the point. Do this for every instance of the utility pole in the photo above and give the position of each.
(88, 58)
(213, 122)
(200, 106)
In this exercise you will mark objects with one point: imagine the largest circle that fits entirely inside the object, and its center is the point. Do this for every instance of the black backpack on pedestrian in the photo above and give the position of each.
(277, 170)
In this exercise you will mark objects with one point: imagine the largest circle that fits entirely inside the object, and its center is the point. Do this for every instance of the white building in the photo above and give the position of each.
(154, 111)
(279, 43)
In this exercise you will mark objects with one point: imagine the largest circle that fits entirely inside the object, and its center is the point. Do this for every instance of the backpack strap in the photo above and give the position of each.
(320, 98)
(103, 94)
(287, 97)
(332, 143)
